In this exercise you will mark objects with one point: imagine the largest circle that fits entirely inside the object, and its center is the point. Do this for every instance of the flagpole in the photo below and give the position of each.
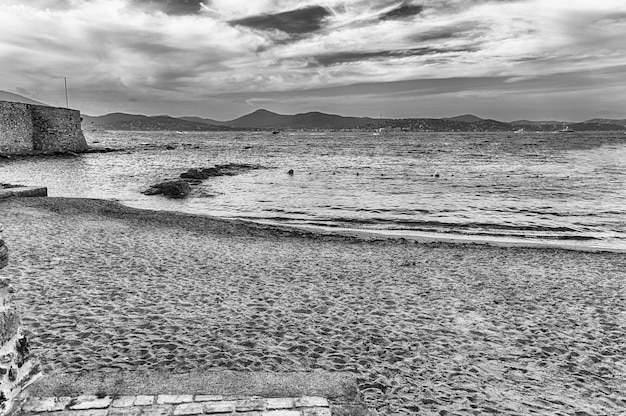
(67, 105)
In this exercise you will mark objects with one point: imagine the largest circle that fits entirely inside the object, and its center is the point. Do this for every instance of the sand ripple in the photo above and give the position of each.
(431, 329)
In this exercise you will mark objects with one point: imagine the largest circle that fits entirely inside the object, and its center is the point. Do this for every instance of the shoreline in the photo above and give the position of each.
(444, 327)
(118, 209)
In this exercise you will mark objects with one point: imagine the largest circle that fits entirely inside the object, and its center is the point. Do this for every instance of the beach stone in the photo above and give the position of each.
(194, 174)
(172, 189)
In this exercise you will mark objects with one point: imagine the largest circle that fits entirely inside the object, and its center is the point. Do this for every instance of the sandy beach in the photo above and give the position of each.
(431, 328)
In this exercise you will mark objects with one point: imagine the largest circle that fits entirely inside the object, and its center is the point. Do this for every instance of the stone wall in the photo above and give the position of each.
(16, 128)
(17, 368)
(26, 128)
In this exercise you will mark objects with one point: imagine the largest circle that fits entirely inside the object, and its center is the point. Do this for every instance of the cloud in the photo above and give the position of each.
(173, 7)
(402, 11)
(168, 51)
(298, 21)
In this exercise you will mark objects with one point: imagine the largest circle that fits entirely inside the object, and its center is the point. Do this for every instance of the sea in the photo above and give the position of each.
(544, 188)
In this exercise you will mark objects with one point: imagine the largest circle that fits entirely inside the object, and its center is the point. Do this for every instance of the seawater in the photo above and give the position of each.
(537, 187)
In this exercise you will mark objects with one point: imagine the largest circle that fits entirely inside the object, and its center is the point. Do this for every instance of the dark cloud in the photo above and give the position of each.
(344, 57)
(402, 11)
(173, 7)
(294, 22)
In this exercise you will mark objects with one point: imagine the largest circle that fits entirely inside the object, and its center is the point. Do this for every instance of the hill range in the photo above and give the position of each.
(266, 120)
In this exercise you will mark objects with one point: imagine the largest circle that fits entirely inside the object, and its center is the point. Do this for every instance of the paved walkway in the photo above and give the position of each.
(174, 405)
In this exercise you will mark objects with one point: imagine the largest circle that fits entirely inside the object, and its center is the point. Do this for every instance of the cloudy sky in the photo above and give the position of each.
(503, 59)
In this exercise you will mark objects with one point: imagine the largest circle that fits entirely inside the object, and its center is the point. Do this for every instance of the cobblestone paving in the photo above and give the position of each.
(174, 405)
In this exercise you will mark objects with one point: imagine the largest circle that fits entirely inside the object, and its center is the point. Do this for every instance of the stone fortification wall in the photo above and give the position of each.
(26, 128)
(16, 128)
(17, 368)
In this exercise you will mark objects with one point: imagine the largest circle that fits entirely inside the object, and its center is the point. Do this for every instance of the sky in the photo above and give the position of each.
(220, 59)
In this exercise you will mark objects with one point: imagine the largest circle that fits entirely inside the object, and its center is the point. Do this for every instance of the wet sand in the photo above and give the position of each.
(431, 328)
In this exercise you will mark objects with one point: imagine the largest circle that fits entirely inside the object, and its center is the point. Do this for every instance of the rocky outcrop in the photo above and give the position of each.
(172, 189)
(180, 188)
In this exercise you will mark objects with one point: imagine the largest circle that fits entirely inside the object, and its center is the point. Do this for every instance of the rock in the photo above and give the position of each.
(193, 174)
(171, 189)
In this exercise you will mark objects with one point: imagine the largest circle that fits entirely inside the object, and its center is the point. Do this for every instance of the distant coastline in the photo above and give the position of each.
(267, 120)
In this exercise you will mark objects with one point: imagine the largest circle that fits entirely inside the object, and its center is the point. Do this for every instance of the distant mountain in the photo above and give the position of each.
(621, 122)
(122, 121)
(9, 96)
(208, 121)
(468, 118)
(265, 119)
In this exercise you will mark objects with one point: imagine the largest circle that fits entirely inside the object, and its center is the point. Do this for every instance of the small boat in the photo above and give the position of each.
(276, 132)
(566, 129)
(520, 130)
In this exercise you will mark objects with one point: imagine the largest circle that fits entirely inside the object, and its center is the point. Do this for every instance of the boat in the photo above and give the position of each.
(566, 129)
(520, 130)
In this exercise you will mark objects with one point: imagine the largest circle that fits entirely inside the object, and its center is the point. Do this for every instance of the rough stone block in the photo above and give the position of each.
(124, 411)
(174, 399)
(86, 412)
(207, 398)
(159, 410)
(316, 411)
(144, 400)
(123, 401)
(219, 407)
(45, 404)
(309, 401)
(282, 412)
(279, 403)
(90, 402)
(249, 405)
(189, 409)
